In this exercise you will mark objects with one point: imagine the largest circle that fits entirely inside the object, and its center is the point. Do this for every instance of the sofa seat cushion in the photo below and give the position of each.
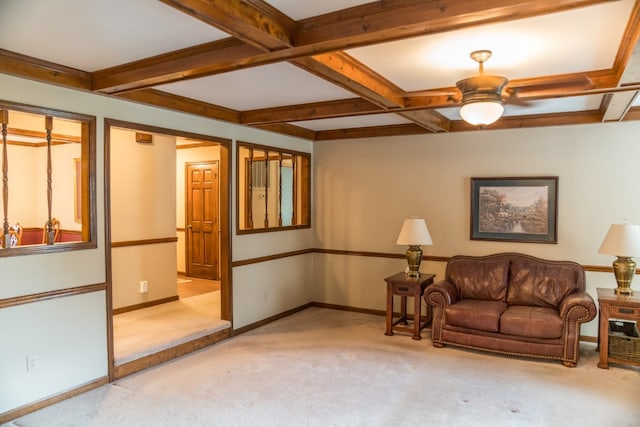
(476, 314)
(529, 321)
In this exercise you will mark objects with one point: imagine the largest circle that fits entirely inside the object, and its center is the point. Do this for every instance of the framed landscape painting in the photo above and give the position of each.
(515, 209)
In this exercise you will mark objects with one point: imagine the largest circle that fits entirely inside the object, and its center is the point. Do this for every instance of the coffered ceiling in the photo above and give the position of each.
(335, 69)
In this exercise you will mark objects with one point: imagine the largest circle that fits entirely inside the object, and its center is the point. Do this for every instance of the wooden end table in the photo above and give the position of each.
(404, 286)
(618, 307)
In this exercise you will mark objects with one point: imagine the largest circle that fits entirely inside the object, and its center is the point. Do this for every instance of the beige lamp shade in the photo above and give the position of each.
(414, 232)
(622, 240)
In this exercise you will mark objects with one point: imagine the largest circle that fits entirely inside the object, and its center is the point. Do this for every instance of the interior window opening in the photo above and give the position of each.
(47, 178)
(273, 189)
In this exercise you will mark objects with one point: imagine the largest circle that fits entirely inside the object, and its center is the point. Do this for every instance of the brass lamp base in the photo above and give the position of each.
(624, 268)
(414, 257)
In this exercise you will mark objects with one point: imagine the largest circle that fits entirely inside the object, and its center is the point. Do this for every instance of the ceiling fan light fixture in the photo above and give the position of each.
(481, 99)
(481, 113)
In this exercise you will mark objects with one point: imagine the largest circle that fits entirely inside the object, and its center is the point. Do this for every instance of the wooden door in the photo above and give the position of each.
(201, 219)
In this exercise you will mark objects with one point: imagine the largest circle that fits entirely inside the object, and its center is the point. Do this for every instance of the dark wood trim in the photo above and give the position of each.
(144, 242)
(433, 258)
(162, 356)
(146, 304)
(379, 254)
(348, 308)
(5, 417)
(270, 319)
(164, 131)
(270, 257)
(107, 236)
(44, 296)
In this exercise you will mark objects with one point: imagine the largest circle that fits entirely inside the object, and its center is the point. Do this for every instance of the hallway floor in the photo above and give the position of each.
(143, 332)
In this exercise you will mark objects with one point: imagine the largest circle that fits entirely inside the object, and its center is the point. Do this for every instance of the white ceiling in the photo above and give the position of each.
(91, 35)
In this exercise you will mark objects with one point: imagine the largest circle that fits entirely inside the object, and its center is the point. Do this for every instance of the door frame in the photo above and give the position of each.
(226, 297)
(187, 237)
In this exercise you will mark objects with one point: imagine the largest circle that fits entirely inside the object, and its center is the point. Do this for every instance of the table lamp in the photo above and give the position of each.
(623, 241)
(414, 233)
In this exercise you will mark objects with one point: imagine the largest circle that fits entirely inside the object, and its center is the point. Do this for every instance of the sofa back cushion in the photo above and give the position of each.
(542, 283)
(479, 278)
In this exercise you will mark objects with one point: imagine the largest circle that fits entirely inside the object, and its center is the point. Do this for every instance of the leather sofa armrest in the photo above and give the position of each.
(441, 292)
(582, 300)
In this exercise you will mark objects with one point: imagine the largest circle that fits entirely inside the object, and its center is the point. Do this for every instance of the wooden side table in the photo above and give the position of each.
(613, 306)
(404, 286)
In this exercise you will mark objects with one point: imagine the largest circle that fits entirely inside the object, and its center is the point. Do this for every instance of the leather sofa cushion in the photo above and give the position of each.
(479, 279)
(475, 314)
(542, 285)
(528, 321)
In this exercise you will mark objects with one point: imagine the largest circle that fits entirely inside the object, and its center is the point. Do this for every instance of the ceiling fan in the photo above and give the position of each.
(483, 96)
(482, 102)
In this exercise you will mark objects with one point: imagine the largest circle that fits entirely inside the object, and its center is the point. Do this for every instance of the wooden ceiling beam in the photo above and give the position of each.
(16, 64)
(628, 44)
(371, 132)
(350, 74)
(310, 111)
(428, 119)
(253, 22)
(378, 22)
(196, 61)
(170, 101)
(288, 129)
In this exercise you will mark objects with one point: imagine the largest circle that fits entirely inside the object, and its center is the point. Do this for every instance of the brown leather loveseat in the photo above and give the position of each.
(512, 304)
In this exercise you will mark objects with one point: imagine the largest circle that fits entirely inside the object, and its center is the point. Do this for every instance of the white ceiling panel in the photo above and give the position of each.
(259, 87)
(567, 42)
(90, 35)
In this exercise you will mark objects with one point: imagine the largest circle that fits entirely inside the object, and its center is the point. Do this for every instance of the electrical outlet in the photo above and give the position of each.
(32, 363)
(144, 286)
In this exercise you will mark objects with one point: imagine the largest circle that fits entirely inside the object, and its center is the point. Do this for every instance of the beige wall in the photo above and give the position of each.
(365, 188)
(143, 206)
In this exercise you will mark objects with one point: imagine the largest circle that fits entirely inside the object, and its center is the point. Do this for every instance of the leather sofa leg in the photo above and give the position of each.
(569, 364)
(438, 344)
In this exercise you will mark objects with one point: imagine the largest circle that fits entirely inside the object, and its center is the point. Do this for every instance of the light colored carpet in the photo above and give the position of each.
(324, 367)
(147, 331)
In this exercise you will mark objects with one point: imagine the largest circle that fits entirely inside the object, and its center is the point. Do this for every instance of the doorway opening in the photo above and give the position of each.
(168, 232)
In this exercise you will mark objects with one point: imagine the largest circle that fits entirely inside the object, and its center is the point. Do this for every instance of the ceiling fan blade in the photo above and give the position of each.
(560, 84)
(436, 92)
(514, 100)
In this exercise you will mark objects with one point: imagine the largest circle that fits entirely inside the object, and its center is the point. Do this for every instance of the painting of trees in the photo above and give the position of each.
(513, 210)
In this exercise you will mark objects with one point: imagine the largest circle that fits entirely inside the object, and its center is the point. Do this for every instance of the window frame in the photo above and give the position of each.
(88, 184)
(305, 188)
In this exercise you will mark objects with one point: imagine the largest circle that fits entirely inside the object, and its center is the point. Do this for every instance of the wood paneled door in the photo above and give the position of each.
(202, 243)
